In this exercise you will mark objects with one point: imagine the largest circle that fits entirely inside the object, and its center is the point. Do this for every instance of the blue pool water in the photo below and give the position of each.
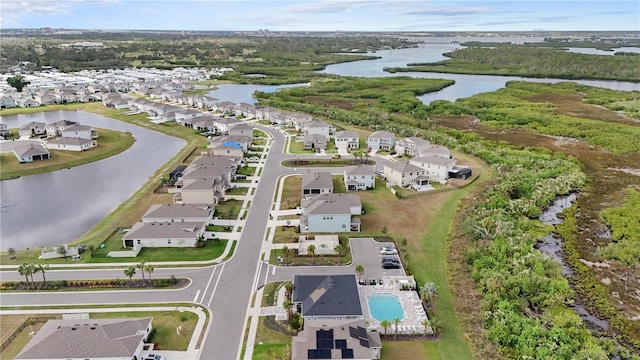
(385, 307)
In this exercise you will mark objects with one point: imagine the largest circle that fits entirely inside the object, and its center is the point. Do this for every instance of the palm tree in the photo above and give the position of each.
(385, 325)
(340, 250)
(429, 291)
(360, 272)
(34, 269)
(425, 323)
(129, 272)
(285, 253)
(149, 268)
(141, 266)
(312, 251)
(287, 306)
(289, 287)
(18, 82)
(42, 268)
(396, 321)
(436, 326)
(25, 270)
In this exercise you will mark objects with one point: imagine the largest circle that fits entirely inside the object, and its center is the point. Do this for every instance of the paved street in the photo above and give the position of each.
(226, 288)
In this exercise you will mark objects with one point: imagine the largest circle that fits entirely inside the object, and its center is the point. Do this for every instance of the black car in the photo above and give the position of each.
(390, 265)
(390, 258)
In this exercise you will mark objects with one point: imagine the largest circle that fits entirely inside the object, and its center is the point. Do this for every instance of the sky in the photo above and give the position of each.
(323, 15)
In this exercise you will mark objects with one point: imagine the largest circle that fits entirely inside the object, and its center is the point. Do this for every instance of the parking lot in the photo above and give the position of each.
(366, 252)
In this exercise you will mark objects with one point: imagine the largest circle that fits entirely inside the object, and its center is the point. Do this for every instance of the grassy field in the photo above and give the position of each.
(212, 250)
(110, 143)
(291, 192)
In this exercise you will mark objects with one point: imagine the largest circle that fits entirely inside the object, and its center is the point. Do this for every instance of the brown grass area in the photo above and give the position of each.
(572, 105)
(337, 103)
(291, 192)
(10, 323)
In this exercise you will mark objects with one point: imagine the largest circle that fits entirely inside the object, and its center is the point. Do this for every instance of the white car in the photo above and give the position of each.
(387, 250)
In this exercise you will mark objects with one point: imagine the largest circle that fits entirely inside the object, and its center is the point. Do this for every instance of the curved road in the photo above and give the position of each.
(225, 289)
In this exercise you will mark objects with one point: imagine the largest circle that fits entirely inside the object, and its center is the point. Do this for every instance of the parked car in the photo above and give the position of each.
(153, 357)
(390, 258)
(390, 265)
(388, 250)
(336, 156)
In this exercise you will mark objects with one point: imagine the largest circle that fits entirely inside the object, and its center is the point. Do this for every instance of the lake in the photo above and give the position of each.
(57, 207)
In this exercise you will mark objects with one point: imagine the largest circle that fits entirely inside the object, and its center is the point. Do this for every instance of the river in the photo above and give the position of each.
(57, 207)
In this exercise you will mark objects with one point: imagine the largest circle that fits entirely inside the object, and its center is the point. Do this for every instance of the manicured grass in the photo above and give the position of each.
(164, 323)
(269, 344)
(338, 184)
(246, 170)
(308, 260)
(392, 349)
(212, 250)
(228, 209)
(304, 163)
(110, 143)
(219, 228)
(238, 190)
(285, 234)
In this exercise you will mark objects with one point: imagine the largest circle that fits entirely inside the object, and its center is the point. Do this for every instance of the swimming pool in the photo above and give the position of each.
(385, 307)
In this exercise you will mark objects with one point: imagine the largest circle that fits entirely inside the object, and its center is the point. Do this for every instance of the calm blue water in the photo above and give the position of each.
(385, 307)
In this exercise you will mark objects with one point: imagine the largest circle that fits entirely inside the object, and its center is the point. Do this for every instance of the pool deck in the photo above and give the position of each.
(414, 312)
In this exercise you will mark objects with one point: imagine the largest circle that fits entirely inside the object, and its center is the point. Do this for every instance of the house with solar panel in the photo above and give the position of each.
(334, 325)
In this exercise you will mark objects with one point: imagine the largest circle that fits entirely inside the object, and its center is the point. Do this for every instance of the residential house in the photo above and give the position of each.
(359, 177)
(402, 173)
(225, 107)
(241, 129)
(30, 152)
(55, 128)
(436, 150)
(27, 103)
(294, 120)
(71, 144)
(79, 131)
(411, 146)
(164, 234)
(315, 142)
(316, 182)
(436, 168)
(319, 128)
(347, 140)
(223, 124)
(202, 123)
(4, 130)
(67, 97)
(7, 102)
(381, 140)
(235, 146)
(32, 128)
(46, 98)
(324, 297)
(184, 114)
(330, 213)
(200, 190)
(336, 339)
(246, 110)
(179, 213)
(96, 339)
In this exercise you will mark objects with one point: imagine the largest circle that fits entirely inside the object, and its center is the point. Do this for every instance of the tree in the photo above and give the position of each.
(396, 321)
(385, 325)
(436, 326)
(149, 268)
(286, 253)
(129, 272)
(92, 249)
(17, 82)
(289, 287)
(11, 251)
(312, 251)
(43, 269)
(360, 272)
(425, 323)
(288, 305)
(25, 270)
(429, 291)
(340, 250)
(62, 250)
(141, 266)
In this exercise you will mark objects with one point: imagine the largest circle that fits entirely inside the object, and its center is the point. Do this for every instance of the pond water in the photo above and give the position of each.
(57, 207)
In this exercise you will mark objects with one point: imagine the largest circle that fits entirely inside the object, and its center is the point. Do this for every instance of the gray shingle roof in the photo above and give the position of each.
(70, 141)
(30, 150)
(164, 230)
(403, 167)
(317, 180)
(360, 170)
(90, 338)
(178, 211)
(330, 204)
(327, 295)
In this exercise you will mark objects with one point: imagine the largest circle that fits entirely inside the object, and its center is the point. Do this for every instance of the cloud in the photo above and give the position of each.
(14, 10)
(449, 11)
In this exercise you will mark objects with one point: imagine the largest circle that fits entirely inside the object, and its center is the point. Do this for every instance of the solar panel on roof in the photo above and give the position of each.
(319, 354)
(341, 344)
(347, 353)
(324, 339)
(353, 332)
(364, 342)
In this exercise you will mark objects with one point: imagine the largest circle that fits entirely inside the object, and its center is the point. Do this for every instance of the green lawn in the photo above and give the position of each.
(238, 190)
(110, 143)
(212, 250)
(228, 209)
(270, 293)
(285, 234)
(269, 344)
